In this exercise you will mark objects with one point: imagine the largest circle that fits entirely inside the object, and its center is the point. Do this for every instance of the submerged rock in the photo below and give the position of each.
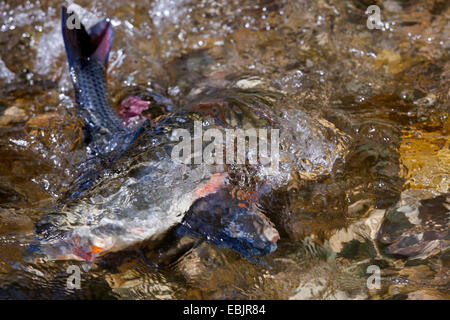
(12, 115)
(428, 294)
(13, 222)
(362, 230)
(417, 227)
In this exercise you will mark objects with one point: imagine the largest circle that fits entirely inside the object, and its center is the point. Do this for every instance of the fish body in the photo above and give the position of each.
(135, 191)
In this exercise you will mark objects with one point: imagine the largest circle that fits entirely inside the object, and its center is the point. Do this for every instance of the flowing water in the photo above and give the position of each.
(364, 118)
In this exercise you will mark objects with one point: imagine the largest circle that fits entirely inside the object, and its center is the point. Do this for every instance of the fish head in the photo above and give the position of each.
(76, 245)
(229, 224)
(248, 232)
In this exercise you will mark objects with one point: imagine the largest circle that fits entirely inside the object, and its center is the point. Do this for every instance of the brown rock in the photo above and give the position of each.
(12, 222)
(428, 294)
(12, 115)
(417, 272)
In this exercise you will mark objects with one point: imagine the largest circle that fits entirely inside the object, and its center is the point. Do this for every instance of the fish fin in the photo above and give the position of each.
(102, 35)
(81, 45)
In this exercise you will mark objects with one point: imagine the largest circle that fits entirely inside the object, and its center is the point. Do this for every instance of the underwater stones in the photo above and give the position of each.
(249, 83)
(426, 156)
(415, 273)
(13, 222)
(392, 6)
(427, 101)
(310, 290)
(393, 61)
(366, 228)
(54, 132)
(428, 294)
(320, 283)
(12, 115)
(417, 228)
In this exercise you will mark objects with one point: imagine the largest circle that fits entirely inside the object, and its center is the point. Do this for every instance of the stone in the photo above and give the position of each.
(428, 294)
(417, 226)
(12, 115)
(367, 227)
(419, 272)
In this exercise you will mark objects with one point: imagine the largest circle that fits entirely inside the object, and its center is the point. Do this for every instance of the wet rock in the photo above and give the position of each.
(393, 61)
(419, 272)
(428, 294)
(215, 274)
(249, 83)
(139, 281)
(310, 290)
(12, 115)
(416, 228)
(10, 222)
(53, 133)
(318, 289)
(392, 6)
(325, 282)
(5, 73)
(192, 267)
(360, 231)
(426, 155)
(427, 101)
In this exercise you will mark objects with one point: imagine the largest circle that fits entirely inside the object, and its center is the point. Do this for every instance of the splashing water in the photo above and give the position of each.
(363, 119)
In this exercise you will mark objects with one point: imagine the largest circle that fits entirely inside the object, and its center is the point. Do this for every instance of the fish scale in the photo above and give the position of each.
(93, 99)
(105, 129)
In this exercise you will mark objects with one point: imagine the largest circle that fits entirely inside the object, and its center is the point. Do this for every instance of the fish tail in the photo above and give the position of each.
(87, 54)
(81, 45)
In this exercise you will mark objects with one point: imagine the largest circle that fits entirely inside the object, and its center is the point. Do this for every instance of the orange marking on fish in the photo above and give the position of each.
(242, 205)
(213, 185)
(95, 249)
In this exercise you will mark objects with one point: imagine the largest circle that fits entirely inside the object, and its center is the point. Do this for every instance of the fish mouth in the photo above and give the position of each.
(268, 229)
(253, 235)
(68, 247)
(271, 239)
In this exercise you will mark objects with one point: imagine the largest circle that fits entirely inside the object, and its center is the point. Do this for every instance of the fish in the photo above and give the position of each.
(134, 191)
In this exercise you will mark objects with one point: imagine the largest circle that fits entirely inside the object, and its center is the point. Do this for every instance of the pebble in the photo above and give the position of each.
(12, 115)
(356, 231)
